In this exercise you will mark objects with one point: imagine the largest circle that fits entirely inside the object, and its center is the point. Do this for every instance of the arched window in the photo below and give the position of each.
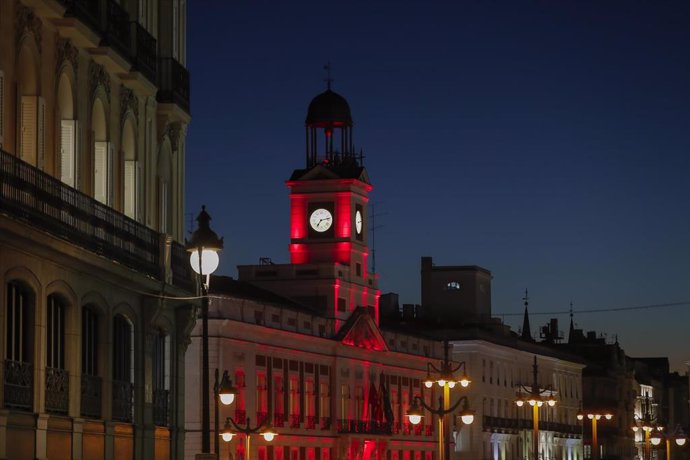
(132, 172)
(102, 154)
(57, 377)
(19, 346)
(123, 369)
(90, 381)
(68, 132)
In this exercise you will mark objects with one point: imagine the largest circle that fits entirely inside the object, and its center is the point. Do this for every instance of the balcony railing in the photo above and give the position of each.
(310, 422)
(57, 390)
(117, 29)
(123, 401)
(48, 204)
(87, 11)
(144, 48)
(364, 427)
(19, 388)
(325, 423)
(261, 417)
(278, 420)
(174, 83)
(294, 421)
(91, 396)
(511, 424)
(161, 401)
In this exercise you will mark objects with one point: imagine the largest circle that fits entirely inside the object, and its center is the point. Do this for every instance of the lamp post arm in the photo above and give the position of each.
(247, 429)
(430, 366)
(440, 411)
(460, 365)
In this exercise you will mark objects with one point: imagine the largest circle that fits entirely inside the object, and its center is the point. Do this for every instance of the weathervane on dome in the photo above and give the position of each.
(328, 78)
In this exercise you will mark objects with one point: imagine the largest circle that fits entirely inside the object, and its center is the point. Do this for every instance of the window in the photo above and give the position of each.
(131, 171)
(56, 333)
(102, 171)
(345, 402)
(161, 379)
(358, 269)
(90, 382)
(19, 346)
(32, 130)
(453, 286)
(68, 152)
(324, 400)
(342, 304)
(123, 372)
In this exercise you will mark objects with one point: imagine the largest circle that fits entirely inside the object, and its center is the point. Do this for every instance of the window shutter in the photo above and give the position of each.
(100, 173)
(67, 152)
(2, 107)
(109, 173)
(130, 188)
(41, 132)
(27, 127)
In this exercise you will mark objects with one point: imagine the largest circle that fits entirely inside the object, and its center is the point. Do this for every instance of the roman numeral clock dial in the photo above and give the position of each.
(321, 220)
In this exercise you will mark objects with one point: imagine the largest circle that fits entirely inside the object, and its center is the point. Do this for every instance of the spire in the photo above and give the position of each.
(526, 332)
(571, 332)
(328, 78)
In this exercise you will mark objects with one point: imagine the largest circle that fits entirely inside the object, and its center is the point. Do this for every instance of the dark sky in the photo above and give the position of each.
(547, 141)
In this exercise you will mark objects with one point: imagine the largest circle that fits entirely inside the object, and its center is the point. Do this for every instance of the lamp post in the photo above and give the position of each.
(415, 414)
(594, 416)
(536, 397)
(203, 247)
(445, 378)
(647, 421)
(231, 428)
(678, 436)
(224, 393)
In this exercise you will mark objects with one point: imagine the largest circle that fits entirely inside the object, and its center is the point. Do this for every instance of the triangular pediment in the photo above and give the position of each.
(331, 172)
(361, 331)
(319, 172)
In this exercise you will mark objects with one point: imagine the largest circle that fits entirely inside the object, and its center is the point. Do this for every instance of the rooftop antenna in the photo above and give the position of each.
(328, 78)
(373, 229)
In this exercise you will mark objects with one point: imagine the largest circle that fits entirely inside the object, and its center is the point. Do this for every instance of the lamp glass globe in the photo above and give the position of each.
(209, 261)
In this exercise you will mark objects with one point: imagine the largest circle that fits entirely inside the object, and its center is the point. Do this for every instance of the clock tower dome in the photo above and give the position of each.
(328, 219)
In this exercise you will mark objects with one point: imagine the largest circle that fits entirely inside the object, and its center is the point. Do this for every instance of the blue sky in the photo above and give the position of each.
(545, 141)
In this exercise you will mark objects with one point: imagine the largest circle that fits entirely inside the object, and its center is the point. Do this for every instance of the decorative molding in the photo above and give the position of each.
(99, 77)
(66, 52)
(128, 103)
(173, 131)
(27, 22)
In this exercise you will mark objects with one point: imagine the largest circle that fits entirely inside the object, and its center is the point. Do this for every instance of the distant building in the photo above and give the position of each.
(94, 104)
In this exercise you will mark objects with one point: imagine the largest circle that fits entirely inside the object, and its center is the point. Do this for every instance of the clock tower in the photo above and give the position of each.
(328, 220)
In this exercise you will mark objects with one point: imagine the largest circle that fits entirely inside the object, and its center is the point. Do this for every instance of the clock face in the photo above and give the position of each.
(321, 220)
(358, 222)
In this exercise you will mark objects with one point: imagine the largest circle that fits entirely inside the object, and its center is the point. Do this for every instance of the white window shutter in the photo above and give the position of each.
(138, 193)
(41, 132)
(100, 173)
(2, 107)
(27, 128)
(131, 188)
(68, 136)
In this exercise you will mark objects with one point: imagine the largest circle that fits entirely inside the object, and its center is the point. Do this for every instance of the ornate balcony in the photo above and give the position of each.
(161, 401)
(57, 390)
(428, 430)
(87, 11)
(19, 385)
(364, 427)
(32, 196)
(278, 420)
(123, 401)
(144, 52)
(91, 396)
(118, 30)
(294, 421)
(310, 422)
(418, 429)
(325, 423)
(261, 417)
(174, 83)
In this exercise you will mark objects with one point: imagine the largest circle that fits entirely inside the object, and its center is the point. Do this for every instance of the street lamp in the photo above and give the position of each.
(647, 421)
(678, 436)
(224, 393)
(445, 378)
(536, 397)
(203, 247)
(231, 428)
(594, 416)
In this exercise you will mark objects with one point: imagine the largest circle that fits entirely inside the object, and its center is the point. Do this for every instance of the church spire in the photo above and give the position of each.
(526, 332)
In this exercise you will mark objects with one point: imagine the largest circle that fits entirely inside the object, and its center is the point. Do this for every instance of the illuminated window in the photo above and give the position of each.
(453, 286)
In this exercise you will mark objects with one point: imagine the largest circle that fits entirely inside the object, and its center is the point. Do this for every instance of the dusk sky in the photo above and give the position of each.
(548, 142)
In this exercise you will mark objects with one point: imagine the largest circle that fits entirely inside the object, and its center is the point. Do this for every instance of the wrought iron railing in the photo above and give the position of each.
(57, 390)
(42, 200)
(117, 30)
(325, 423)
(364, 427)
(174, 83)
(261, 417)
(181, 269)
(310, 422)
(278, 420)
(161, 401)
(123, 401)
(87, 11)
(91, 391)
(294, 421)
(144, 54)
(19, 388)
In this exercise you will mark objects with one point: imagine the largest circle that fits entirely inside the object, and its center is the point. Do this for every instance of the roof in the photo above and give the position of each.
(329, 109)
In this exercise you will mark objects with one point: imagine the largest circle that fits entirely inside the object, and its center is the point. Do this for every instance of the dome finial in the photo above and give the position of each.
(328, 78)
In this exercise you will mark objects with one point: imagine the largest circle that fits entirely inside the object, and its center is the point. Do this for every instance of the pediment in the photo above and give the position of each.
(361, 331)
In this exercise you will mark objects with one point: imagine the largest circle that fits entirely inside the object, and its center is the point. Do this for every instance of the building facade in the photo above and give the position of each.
(94, 105)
